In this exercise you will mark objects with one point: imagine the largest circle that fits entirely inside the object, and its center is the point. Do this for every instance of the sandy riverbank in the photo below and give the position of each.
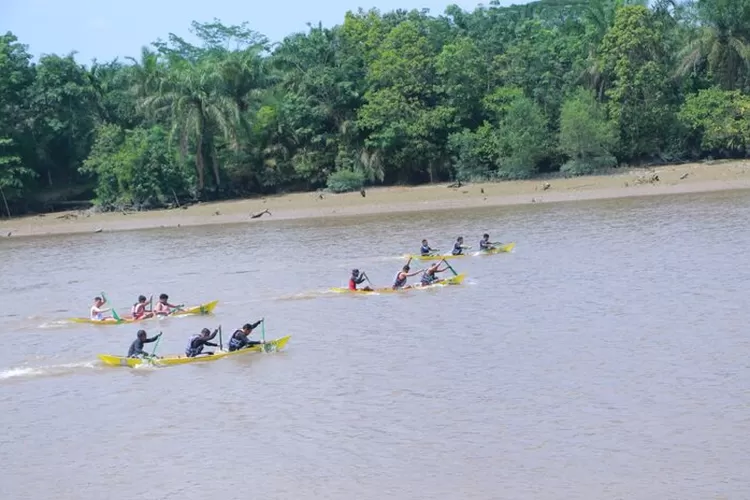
(675, 179)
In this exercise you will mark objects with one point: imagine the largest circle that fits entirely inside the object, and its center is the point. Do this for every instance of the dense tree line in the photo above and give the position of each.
(402, 97)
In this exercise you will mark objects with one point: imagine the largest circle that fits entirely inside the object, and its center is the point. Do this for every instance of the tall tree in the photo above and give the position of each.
(190, 98)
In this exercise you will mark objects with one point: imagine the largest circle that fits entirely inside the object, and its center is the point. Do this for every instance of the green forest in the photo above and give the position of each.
(404, 97)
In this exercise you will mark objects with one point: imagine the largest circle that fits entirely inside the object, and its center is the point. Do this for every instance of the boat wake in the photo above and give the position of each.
(304, 295)
(27, 372)
(60, 323)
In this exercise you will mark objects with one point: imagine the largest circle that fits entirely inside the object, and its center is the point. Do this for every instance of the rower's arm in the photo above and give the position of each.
(213, 335)
(151, 339)
(255, 325)
(211, 344)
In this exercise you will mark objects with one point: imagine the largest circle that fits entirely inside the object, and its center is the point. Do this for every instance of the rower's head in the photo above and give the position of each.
(247, 328)
(406, 268)
(98, 301)
(424, 242)
(486, 236)
(141, 334)
(205, 332)
(355, 272)
(141, 299)
(163, 297)
(460, 239)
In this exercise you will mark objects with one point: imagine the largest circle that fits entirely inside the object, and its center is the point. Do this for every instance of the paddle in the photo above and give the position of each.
(450, 267)
(266, 347)
(176, 309)
(368, 280)
(156, 344)
(112, 308)
(221, 343)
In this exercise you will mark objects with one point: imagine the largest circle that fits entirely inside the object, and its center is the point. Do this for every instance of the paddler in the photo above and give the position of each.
(357, 278)
(197, 342)
(97, 311)
(401, 276)
(428, 277)
(163, 307)
(139, 311)
(240, 339)
(484, 243)
(458, 247)
(426, 249)
(136, 348)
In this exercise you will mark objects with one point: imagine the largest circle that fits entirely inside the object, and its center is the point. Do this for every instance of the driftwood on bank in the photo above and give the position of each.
(260, 214)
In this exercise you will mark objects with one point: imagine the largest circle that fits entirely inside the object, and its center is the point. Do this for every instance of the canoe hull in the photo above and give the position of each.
(270, 346)
(508, 247)
(454, 280)
(206, 308)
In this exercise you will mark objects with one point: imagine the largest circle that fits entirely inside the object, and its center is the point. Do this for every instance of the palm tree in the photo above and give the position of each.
(146, 73)
(190, 95)
(599, 17)
(721, 44)
(244, 75)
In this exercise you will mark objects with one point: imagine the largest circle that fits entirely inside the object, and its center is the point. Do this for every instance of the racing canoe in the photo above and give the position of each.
(206, 308)
(501, 249)
(454, 280)
(270, 346)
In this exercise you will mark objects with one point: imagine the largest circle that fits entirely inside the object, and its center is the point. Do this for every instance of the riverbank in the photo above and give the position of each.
(669, 179)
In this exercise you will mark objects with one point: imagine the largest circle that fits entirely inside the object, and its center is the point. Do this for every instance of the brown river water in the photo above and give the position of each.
(605, 358)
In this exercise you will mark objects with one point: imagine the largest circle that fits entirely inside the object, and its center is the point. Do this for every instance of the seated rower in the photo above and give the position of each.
(428, 277)
(197, 342)
(426, 249)
(402, 275)
(458, 247)
(136, 348)
(97, 311)
(357, 278)
(139, 311)
(484, 243)
(163, 307)
(240, 339)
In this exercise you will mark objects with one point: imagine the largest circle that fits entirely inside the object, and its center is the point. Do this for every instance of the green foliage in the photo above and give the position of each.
(720, 119)
(12, 173)
(397, 97)
(633, 56)
(512, 149)
(523, 140)
(474, 153)
(135, 168)
(587, 136)
(343, 181)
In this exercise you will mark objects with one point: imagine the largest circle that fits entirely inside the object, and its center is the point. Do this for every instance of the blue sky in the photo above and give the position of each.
(105, 29)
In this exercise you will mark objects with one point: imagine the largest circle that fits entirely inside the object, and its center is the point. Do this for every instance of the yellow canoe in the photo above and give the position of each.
(501, 249)
(454, 280)
(206, 308)
(270, 346)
